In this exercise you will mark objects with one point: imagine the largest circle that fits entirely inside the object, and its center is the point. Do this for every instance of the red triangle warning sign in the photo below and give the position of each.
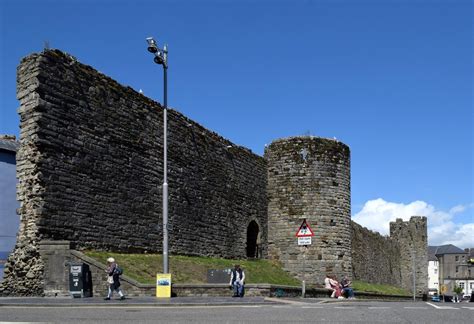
(304, 230)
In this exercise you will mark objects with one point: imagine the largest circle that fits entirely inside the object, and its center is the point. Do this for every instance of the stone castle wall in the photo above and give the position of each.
(309, 178)
(90, 172)
(412, 239)
(375, 258)
(392, 259)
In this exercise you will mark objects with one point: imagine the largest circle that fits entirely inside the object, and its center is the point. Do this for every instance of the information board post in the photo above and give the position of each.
(304, 235)
(303, 288)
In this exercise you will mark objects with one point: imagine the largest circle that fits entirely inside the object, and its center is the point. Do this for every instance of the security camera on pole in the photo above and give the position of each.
(161, 58)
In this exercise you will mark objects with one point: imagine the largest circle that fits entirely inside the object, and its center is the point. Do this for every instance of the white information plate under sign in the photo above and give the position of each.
(304, 240)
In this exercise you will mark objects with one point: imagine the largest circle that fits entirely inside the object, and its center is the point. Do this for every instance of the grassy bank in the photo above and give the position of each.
(186, 269)
(378, 288)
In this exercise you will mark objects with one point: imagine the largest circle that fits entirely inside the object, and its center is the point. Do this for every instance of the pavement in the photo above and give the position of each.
(149, 301)
(136, 301)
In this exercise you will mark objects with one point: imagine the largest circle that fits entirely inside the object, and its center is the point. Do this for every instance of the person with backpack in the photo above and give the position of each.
(237, 279)
(113, 279)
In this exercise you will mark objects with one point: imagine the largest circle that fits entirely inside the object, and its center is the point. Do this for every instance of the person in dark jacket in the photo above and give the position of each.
(113, 279)
(237, 279)
(346, 287)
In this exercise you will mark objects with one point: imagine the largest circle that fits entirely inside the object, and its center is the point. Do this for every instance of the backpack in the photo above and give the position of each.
(118, 270)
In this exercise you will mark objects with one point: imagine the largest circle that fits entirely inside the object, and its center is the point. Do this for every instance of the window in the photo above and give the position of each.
(457, 269)
(461, 285)
(435, 271)
(457, 258)
(472, 285)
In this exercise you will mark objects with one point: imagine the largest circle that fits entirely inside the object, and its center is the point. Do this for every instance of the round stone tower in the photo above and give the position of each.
(309, 178)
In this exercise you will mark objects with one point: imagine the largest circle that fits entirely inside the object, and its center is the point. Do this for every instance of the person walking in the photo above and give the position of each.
(113, 279)
(237, 279)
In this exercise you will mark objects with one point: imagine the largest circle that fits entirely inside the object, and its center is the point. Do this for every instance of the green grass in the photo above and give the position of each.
(185, 269)
(378, 288)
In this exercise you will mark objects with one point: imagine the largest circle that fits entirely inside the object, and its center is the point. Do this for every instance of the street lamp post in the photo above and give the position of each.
(414, 275)
(161, 58)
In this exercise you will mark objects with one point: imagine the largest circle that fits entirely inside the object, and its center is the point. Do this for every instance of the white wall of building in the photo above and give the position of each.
(433, 275)
(466, 285)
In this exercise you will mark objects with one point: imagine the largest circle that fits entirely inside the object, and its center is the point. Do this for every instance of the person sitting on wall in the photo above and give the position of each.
(113, 279)
(237, 279)
(346, 287)
(330, 284)
(337, 287)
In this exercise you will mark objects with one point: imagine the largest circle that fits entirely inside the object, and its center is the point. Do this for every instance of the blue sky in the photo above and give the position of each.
(392, 79)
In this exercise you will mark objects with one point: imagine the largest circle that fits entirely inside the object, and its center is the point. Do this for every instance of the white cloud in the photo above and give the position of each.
(377, 215)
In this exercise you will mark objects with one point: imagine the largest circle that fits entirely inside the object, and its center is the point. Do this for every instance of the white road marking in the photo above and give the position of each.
(286, 301)
(435, 306)
(442, 307)
(25, 322)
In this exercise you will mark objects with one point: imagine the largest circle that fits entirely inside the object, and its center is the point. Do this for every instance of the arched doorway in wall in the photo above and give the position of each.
(252, 240)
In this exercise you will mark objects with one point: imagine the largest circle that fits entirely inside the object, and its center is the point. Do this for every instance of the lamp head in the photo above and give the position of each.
(158, 59)
(152, 47)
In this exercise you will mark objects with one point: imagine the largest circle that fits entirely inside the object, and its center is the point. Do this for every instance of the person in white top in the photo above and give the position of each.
(237, 279)
(330, 284)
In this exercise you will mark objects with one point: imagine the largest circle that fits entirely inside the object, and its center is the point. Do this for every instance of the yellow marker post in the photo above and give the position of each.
(163, 285)
(444, 289)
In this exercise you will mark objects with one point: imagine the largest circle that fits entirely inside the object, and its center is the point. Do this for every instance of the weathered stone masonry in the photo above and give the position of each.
(90, 172)
(375, 258)
(309, 177)
(412, 239)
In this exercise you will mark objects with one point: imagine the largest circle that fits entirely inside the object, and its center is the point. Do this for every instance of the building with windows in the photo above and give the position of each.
(433, 268)
(455, 267)
(9, 219)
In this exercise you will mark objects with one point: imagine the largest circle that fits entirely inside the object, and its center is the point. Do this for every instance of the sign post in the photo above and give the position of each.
(304, 235)
(444, 290)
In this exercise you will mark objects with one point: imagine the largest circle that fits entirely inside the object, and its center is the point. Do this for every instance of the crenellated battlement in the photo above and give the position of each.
(412, 238)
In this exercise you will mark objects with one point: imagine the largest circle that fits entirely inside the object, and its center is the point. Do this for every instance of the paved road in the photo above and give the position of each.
(291, 311)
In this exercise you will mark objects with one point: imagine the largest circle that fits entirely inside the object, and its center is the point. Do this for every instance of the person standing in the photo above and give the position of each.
(237, 279)
(113, 279)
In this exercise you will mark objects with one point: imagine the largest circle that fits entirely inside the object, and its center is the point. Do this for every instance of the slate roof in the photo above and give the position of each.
(448, 249)
(432, 253)
(9, 145)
